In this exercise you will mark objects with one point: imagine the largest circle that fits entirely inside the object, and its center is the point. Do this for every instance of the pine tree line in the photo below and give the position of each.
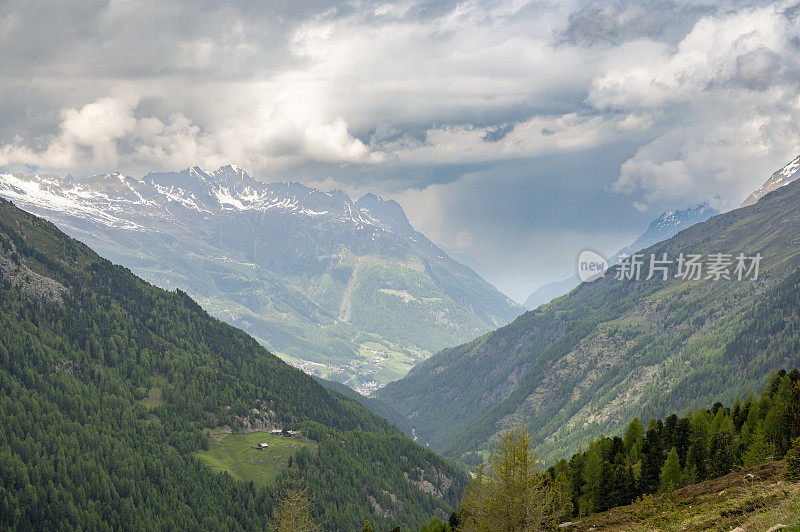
(509, 492)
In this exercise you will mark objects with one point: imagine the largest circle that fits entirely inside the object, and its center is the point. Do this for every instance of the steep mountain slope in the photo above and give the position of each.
(781, 178)
(665, 226)
(109, 385)
(615, 349)
(384, 410)
(762, 502)
(343, 289)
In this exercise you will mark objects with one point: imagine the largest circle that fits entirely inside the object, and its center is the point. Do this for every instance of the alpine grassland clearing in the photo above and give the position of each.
(235, 454)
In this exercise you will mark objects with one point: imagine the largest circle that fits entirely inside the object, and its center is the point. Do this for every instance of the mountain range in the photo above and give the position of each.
(138, 406)
(615, 349)
(126, 404)
(668, 224)
(344, 289)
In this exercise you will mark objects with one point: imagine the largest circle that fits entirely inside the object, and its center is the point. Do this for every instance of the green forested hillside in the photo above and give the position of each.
(613, 350)
(648, 467)
(381, 408)
(108, 386)
(676, 451)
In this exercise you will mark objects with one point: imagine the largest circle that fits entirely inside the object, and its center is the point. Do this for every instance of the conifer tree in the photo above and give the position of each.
(510, 492)
(792, 472)
(758, 451)
(294, 507)
(634, 436)
(671, 473)
(696, 461)
(562, 496)
(651, 466)
(721, 453)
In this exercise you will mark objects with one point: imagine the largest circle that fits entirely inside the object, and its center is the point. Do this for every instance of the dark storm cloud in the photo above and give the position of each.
(96, 39)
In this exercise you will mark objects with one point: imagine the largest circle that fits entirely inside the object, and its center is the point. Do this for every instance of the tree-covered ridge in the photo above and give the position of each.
(84, 343)
(676, 451)
(612, 350)
(404, 483)
(510, 491)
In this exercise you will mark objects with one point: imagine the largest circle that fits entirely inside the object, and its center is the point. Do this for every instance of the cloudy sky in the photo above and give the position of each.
(514, 133)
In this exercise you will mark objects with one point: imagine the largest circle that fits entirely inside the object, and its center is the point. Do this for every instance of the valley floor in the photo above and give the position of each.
(377, 363)
(725, 504)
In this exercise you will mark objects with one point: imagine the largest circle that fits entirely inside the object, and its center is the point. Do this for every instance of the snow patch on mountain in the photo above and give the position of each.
(781, 178)
(47, 192)
(123, 202)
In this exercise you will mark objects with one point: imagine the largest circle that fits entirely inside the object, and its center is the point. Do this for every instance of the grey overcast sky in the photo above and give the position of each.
(514, 133)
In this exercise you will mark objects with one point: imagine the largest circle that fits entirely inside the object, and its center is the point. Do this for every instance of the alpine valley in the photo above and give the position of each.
(611, 350)
(344, 290)
(321, 338)
(127, 404)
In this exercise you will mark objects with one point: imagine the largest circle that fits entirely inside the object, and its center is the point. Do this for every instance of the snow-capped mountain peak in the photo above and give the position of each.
(782, 177)
(388, 212)
(311, 273)
(667, 225)
(116, 200)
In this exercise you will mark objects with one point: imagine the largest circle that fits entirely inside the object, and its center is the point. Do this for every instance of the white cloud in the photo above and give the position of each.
(106, 134)
(87, 136)
(722, 160)
(347, 85)
(538, 136)
(728, 95)
(652, 75)
(411, 84)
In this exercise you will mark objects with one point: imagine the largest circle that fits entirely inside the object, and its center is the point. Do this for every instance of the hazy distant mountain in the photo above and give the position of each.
(782, 177)
(549, 291)
(347, 290)
(665, 226)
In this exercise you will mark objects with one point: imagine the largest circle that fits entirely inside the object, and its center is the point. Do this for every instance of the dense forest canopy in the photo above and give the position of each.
(670, 453)
(83, 346)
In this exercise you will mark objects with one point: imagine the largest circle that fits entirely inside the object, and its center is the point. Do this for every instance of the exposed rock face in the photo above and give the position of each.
(18, 274)
(438, 488)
